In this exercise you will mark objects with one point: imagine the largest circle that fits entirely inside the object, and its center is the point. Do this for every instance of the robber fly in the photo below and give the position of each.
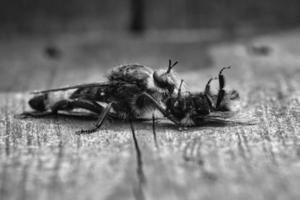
(193, 109)
(123, 93)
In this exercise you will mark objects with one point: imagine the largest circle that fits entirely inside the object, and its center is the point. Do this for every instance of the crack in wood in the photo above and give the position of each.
(154, 132)
(139, 190)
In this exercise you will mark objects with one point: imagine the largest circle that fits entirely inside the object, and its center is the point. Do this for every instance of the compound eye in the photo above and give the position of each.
(162, 80)
(157, 76)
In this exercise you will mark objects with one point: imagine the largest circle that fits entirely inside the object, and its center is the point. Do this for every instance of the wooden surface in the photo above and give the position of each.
(44, 159)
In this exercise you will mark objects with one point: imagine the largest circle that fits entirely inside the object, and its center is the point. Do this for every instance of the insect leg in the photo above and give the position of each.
(162, 110)
(208, 94)
(100, 121)
(221, 92)
(207, 87)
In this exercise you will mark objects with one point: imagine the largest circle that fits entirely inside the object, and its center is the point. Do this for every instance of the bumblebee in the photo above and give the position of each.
(194, 109)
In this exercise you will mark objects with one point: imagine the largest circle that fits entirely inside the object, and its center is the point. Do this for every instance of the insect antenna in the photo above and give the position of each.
(171, 65)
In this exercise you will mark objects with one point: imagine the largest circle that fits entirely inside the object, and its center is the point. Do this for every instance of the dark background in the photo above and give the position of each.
(27, 16)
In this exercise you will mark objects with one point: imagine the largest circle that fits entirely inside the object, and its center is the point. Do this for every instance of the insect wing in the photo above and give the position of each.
(87, 85)
(77, 114)
(228, 118)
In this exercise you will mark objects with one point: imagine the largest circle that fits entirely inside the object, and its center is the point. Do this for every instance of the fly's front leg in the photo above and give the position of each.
(100, 121)
(163, 110)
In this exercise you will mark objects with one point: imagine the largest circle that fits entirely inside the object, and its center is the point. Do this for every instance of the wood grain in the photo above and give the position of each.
(44, 159)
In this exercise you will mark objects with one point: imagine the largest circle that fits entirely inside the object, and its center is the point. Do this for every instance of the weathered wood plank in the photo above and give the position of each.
(43, 158)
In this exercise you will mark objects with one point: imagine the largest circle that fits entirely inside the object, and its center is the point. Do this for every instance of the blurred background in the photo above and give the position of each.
(30, 16)
(49, 43)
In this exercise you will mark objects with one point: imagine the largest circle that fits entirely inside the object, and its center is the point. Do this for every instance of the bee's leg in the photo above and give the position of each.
(208, 94)
(100, 121)
(207, 87)
(162, 110)
(221, 92)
